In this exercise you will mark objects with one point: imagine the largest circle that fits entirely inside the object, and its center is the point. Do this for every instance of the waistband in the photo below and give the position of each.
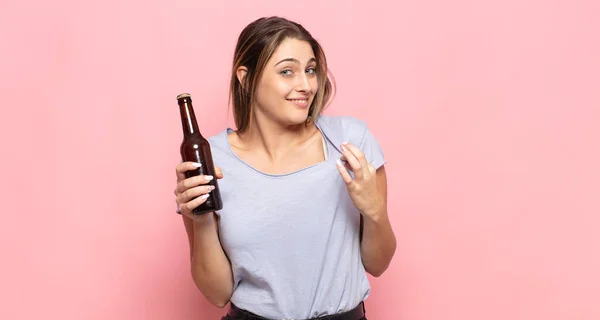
(357, 313)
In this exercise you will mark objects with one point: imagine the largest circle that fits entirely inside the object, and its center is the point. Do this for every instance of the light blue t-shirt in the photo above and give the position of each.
(293, 239)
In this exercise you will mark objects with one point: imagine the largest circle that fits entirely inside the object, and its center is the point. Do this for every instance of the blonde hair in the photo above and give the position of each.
(254, 48)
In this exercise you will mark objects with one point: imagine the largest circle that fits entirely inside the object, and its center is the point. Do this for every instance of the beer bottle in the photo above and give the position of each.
(196, 148)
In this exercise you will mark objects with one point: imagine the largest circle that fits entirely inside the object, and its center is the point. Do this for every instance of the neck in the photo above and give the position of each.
(274, 139)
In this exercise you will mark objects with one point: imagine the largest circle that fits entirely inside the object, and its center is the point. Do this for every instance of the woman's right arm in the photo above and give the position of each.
(211, 270)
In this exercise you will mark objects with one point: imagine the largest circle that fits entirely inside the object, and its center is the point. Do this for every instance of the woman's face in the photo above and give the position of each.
(288, 83)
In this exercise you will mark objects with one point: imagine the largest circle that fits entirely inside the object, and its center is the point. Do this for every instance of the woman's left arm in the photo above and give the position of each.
(368, 191)
(378, 240)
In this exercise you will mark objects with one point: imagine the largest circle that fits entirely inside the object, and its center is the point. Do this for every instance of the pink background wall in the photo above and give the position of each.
(488, 111)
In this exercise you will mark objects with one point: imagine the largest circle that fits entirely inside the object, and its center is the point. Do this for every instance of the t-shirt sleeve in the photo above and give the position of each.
(372, 149)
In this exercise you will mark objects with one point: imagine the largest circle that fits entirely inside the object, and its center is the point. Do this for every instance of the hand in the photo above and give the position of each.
(363, 188)
(192, 192)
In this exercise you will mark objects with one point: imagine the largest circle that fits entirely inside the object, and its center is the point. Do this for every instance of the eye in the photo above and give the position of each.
(311, 70)
(286, 72)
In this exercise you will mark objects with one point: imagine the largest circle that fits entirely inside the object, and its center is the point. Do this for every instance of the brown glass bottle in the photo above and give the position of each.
(196, 148)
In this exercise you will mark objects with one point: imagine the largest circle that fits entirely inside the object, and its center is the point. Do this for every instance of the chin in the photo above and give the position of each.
(291, 115)
(295, 119)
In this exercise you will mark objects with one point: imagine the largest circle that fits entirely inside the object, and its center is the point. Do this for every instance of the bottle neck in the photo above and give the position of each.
(188, 118)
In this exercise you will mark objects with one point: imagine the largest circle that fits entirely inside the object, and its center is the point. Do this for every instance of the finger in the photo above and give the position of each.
(347, 165)
(345, 162)
(191, 205)
(372, 170)
(343, 172)
(361, 158)
(192, 193)
(191, 182)
(181, 168)
(218, 172)
(353, 161)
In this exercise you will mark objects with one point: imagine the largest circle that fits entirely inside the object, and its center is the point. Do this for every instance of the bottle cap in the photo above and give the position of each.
(184, 95)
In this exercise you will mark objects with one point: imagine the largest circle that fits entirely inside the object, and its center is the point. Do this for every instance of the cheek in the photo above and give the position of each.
(267, 88)
(271, 92)
(314, 84)
(282, 89)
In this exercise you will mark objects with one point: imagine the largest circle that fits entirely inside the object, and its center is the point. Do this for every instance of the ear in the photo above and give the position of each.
(241, 73)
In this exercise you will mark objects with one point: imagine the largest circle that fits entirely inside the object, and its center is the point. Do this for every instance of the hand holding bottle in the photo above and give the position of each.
(192, 192)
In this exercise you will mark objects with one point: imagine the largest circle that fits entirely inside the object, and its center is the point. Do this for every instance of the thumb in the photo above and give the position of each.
(218, 172)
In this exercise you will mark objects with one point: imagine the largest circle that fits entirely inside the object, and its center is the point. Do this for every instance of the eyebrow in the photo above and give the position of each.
(295, 60)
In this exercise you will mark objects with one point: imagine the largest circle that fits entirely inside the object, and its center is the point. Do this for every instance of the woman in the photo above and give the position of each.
(304, 195)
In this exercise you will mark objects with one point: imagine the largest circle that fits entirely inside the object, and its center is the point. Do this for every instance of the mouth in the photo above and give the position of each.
(303, 103)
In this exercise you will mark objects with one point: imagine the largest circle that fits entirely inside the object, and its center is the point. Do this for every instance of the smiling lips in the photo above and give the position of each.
(302, 103)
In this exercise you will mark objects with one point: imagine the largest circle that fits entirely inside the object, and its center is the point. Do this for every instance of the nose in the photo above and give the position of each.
(303, 83)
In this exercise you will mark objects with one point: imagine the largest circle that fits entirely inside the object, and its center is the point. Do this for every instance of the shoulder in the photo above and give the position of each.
(342, 121)
(218, 142)
(349, 129)
(343, 128)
